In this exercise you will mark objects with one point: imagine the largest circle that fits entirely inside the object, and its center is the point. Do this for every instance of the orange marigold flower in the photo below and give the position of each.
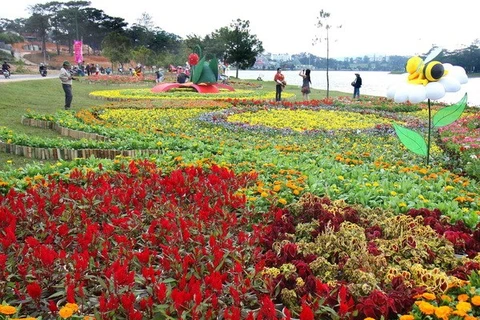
(463, 297)
(459, 313)
(368, 318)
(443, 312)
(467, 317)
(72, 306)
(65, 312)
(428, 296)
(407, 317)
(426, 307)
(464, 306)
(476, 301)
(7, 310)
(446, 298)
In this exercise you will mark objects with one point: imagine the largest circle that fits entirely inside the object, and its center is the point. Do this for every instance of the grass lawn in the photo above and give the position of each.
(44, 96)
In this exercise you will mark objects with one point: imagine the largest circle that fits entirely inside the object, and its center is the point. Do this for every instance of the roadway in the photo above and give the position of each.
(24, 77)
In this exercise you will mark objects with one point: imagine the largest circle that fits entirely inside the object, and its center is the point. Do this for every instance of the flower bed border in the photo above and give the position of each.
(72, 154)
(64, 131)
(69, 154)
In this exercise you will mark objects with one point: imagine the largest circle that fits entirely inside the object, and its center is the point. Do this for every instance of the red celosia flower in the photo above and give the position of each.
(146, 303)
(135, 315)
(127, 300)
(52, 306)
(306, 313)
(34, 290)
(3, 260)
(161, 292)
(346, 301)
(70, 293)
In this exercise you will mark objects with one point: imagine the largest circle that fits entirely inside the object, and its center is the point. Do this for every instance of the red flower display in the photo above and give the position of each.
(139, 240)
(193, 59)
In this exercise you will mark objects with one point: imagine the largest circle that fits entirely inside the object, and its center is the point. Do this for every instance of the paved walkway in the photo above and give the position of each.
(25, 77)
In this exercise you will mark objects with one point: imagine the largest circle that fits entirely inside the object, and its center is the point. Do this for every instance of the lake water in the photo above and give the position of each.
(375, 83)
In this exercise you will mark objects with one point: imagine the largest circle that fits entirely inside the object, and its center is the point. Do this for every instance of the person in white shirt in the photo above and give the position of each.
(66, 79)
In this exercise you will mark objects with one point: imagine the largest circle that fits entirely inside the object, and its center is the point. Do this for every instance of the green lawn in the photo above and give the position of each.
(45, 96)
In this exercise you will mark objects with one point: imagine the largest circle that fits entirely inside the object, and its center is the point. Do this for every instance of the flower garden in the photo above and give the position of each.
(236, 207)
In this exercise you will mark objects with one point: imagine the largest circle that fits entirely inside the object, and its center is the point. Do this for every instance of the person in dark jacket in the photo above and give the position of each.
(357, 83)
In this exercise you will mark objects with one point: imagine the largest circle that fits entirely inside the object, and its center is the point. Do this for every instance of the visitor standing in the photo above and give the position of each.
(357, 83)
(279, 84)
(66, 79)
(305, 74)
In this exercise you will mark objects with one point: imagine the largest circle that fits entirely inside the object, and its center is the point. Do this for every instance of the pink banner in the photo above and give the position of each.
(77, 49)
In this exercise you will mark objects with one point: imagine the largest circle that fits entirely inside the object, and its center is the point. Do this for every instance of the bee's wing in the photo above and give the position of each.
(433, 54)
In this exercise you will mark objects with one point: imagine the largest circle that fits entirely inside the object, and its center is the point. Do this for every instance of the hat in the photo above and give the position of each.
(357, 74)
(66, 63)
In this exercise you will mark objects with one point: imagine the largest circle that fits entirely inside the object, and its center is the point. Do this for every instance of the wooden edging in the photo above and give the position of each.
(72, 154)
(69, 154)
(67, 132)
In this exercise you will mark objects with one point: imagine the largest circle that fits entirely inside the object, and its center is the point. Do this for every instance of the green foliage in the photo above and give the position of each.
(448, 115)
(143, 55)
(117, 47)
(242, 47)
(412, 140)
(9, 37)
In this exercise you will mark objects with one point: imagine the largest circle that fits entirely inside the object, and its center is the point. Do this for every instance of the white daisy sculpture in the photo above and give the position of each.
(428, 80)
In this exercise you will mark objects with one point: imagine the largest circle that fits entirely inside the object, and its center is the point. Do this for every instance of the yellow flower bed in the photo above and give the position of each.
(147, 94)
(151, 120)
(301, 120)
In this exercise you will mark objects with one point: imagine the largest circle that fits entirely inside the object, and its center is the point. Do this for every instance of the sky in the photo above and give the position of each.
(368, 27)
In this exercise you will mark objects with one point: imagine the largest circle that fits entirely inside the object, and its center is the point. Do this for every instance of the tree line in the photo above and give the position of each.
(468, 58)
(143, 42)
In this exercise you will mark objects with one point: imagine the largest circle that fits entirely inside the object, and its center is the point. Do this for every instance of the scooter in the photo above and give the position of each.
(43, 72)
(6, 74)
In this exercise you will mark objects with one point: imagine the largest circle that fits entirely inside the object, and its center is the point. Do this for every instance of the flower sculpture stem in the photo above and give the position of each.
(429, 130)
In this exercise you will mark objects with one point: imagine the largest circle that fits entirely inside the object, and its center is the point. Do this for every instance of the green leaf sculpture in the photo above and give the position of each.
(412, 140)
(197, 70)
(214, 67)
(450, 114)
(207, 75)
